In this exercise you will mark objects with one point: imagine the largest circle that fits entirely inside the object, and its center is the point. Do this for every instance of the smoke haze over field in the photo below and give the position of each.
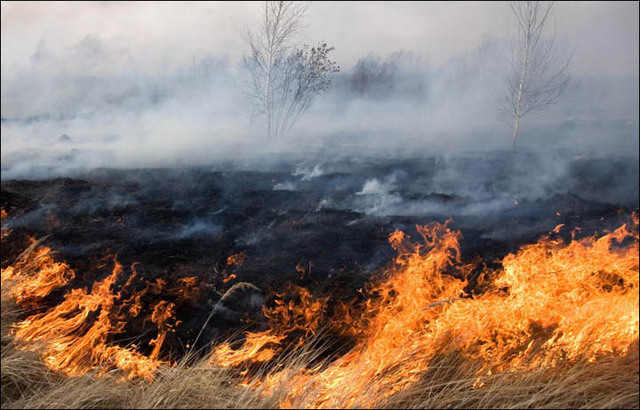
(159, 84)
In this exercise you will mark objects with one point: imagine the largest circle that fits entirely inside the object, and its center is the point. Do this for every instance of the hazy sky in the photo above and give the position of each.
(606, 33)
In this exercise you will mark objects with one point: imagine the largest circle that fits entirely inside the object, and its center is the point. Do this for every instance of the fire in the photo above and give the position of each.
(4, 231)
(236, 259)
(188, 288)
(552, 301)
(163, 314)
(76, 335)
(35, 274)
(229, 278)
(254, 350)
(73, 337)
(304, 271)
(291, 320)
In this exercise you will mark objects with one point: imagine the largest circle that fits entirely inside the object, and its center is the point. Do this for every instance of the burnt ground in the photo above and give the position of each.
(321, 224)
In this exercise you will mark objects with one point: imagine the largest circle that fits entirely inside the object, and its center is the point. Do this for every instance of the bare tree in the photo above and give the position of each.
(284, 78)
(538, 74)
(305, 75)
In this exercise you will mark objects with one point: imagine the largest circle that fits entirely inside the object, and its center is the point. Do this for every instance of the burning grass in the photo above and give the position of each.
(555, 326)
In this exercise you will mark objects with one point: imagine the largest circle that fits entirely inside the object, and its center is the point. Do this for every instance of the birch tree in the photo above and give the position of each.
(284, 77)
(538, 73)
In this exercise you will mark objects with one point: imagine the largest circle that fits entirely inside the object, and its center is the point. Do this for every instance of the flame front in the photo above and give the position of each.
(34, 276)
(550, 302)
(77, 335)
(73, 337)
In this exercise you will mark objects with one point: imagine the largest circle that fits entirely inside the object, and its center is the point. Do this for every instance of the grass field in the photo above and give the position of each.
(565, 335)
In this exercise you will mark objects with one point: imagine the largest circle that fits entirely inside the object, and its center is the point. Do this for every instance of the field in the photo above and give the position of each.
(486, 279)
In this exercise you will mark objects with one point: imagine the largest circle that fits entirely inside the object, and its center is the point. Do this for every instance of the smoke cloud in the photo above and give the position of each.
(126, 85)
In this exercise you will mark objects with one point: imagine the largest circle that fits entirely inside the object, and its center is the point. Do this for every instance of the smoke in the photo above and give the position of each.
(83, 99)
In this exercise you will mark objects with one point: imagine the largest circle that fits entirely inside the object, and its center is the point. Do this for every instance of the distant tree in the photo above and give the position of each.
(398, 76)
(363, 71)
(373, 78)
(538, 73)
(284, 78)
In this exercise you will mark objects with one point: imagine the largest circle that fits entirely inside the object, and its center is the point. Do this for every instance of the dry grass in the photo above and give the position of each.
(610, 382)
(23, 373)
(27, 383)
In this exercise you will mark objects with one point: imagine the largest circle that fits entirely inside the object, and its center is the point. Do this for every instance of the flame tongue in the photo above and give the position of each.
(163, 315)
(73, 336)
(34, 276)
(292, 322)
(551, 301)
(390, 329)
(76, 335)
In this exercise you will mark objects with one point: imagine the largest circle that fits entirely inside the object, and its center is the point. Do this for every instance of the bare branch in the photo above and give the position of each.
(285, 78)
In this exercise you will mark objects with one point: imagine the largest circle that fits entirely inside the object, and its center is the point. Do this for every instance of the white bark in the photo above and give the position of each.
(269, 46)
(538, 75)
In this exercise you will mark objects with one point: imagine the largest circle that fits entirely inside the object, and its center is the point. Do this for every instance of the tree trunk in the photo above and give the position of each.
(523, 72)
(515, 132)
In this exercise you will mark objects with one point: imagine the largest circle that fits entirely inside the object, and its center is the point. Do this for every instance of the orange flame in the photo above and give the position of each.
(292, 320)
(229, 278)
(4, 232)
(34, 276)
(236, 259)
(73, 337)
(76, 336)
(300, 268)
(551, 301)
(162, 313)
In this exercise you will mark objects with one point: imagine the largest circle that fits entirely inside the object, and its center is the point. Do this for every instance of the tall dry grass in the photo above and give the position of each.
(610, 382)
(450, 381)
(27, 383)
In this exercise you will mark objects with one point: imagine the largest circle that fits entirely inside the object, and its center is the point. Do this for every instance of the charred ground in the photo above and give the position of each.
(320, 224)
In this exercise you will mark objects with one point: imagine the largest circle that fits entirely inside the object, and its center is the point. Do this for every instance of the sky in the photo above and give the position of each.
(605, 33)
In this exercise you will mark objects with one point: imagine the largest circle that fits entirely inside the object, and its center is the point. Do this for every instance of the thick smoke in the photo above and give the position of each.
(100, 103)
